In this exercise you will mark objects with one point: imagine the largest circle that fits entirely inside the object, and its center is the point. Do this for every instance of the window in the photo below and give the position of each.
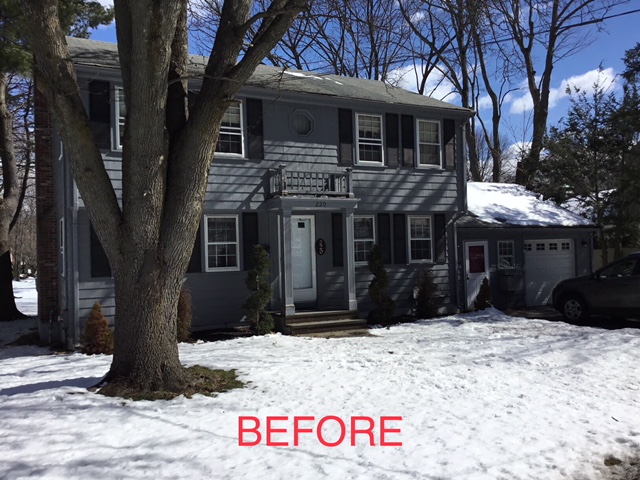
(506, 258)
(222, 242)
(230, 140)
(121, 113)
(528, 247)
(364, 238)
(429, 143)
(624, 268)
(370, 138)
(540, 246)
(553, 246)
(62, 247)
(419, 239)
(566, 246)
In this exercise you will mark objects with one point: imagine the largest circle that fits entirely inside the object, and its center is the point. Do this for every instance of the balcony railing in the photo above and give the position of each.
(305, 183)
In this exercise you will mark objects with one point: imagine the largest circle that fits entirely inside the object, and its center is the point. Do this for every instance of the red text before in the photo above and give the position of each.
(330, 431)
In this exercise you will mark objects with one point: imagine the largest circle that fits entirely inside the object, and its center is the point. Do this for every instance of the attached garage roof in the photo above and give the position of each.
(511, 205)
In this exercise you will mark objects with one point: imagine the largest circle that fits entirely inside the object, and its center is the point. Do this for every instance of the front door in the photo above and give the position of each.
(303, 260)
(476, 260)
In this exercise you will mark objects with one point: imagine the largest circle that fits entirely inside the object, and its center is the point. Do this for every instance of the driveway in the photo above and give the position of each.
(546, 312)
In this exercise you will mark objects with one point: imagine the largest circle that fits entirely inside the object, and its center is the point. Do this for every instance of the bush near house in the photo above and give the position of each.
(184, 316)
(427, 296)
(259, 282)
(378, 288)
(483, 300)
(97, 337)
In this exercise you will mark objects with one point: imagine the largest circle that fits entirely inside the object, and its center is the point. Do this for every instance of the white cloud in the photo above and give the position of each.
(437, 86)
(585, 82)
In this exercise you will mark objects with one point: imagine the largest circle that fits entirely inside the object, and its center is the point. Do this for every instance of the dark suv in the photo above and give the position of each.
(613, 290)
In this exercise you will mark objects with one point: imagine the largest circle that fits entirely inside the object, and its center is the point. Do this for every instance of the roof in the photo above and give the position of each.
(105, 55)
(511, 205)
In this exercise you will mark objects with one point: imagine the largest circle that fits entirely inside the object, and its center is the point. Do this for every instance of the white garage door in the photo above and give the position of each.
(546, 263)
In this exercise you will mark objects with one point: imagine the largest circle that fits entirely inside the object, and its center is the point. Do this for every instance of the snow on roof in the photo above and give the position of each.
(511, 204)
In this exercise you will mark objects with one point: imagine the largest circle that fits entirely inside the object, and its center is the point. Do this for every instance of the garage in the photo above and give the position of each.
(546, 263)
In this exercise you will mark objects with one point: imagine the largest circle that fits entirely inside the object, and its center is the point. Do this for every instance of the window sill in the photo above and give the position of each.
(223, 269)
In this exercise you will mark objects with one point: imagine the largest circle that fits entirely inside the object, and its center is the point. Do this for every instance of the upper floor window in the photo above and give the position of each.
(420, 239)
(429, 150)
(121, 113)
(221, 238)
(231, 138)
(363, 237)
(369, 129)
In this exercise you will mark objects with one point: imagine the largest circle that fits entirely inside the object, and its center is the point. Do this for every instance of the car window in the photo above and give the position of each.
(624, 268)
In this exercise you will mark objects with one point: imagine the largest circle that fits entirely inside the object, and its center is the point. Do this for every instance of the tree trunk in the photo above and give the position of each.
(8, 309)
(146, 352)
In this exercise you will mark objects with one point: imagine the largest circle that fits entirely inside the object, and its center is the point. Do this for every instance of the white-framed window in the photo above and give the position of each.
(506, 255)
(61, 234)
(231, 138)
(364, 237)
(119, 114)
(420, 235)
(221, 239)
(429, 145)
(369, 139)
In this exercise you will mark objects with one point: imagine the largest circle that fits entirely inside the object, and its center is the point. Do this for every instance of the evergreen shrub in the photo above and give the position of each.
(97, 336)
(259, 283)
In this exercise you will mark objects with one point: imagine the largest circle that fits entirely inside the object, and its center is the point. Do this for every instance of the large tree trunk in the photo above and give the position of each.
(8, 205)
(166, 161)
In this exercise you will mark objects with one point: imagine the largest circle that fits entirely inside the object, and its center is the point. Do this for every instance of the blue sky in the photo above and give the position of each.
(616, 35)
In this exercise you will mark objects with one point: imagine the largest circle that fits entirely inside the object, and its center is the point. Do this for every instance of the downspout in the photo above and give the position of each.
(462, 211)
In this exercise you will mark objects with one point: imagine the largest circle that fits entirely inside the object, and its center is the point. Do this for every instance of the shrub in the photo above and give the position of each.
(184, 316)
(483, 300)
(427, 296)
(97, 336)
(259, 282)
(378, 288)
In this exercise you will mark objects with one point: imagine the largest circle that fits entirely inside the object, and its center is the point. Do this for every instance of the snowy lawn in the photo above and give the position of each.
(482, 396)
(27, 301)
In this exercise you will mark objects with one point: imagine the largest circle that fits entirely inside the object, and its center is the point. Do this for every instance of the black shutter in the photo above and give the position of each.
(195, 262)
(255, 128)
(449, 139)
(392, 128)
(337, 239)
(345, 136)
(399, 239)
(249, 237)
(99, 261)
(384, 235)
(408, 140)
(100, 112)
(440, 237)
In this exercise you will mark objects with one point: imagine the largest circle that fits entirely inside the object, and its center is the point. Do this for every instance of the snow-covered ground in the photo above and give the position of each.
(27, 302)
(481, 396)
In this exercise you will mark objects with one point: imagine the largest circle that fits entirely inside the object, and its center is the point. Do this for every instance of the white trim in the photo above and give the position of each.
(409, 238)
(373, 239)
(206, 244)
(438, 144)
(234, 131)
(374, 142)
(115, 141)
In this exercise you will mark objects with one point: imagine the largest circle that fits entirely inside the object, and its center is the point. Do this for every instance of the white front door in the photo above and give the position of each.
(303, 260)
(476, 261)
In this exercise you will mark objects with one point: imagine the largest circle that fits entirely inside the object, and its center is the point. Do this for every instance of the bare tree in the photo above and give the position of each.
(535, 36)
(148, 239)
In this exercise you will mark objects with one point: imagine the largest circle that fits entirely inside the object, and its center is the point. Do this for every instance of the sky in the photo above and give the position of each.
(609, 43)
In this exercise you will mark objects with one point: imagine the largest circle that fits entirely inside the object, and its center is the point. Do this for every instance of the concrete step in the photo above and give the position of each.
(320, 316)
(319, 326)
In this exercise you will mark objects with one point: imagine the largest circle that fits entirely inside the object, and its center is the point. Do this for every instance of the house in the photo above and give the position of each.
(521, 243)
(317, 168)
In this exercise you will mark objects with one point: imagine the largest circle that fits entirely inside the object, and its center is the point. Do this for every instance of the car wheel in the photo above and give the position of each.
(574, 308)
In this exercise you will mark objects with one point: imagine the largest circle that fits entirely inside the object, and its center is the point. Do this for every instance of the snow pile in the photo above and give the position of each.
(507, 203)
(482, 396)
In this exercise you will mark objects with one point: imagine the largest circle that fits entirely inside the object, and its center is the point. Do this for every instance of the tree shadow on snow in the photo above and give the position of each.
(84, 382)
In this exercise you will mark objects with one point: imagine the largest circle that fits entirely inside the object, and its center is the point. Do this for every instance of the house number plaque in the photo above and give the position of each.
(321, 246)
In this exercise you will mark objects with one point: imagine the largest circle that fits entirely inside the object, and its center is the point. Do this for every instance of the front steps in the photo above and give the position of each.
(303, 323)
